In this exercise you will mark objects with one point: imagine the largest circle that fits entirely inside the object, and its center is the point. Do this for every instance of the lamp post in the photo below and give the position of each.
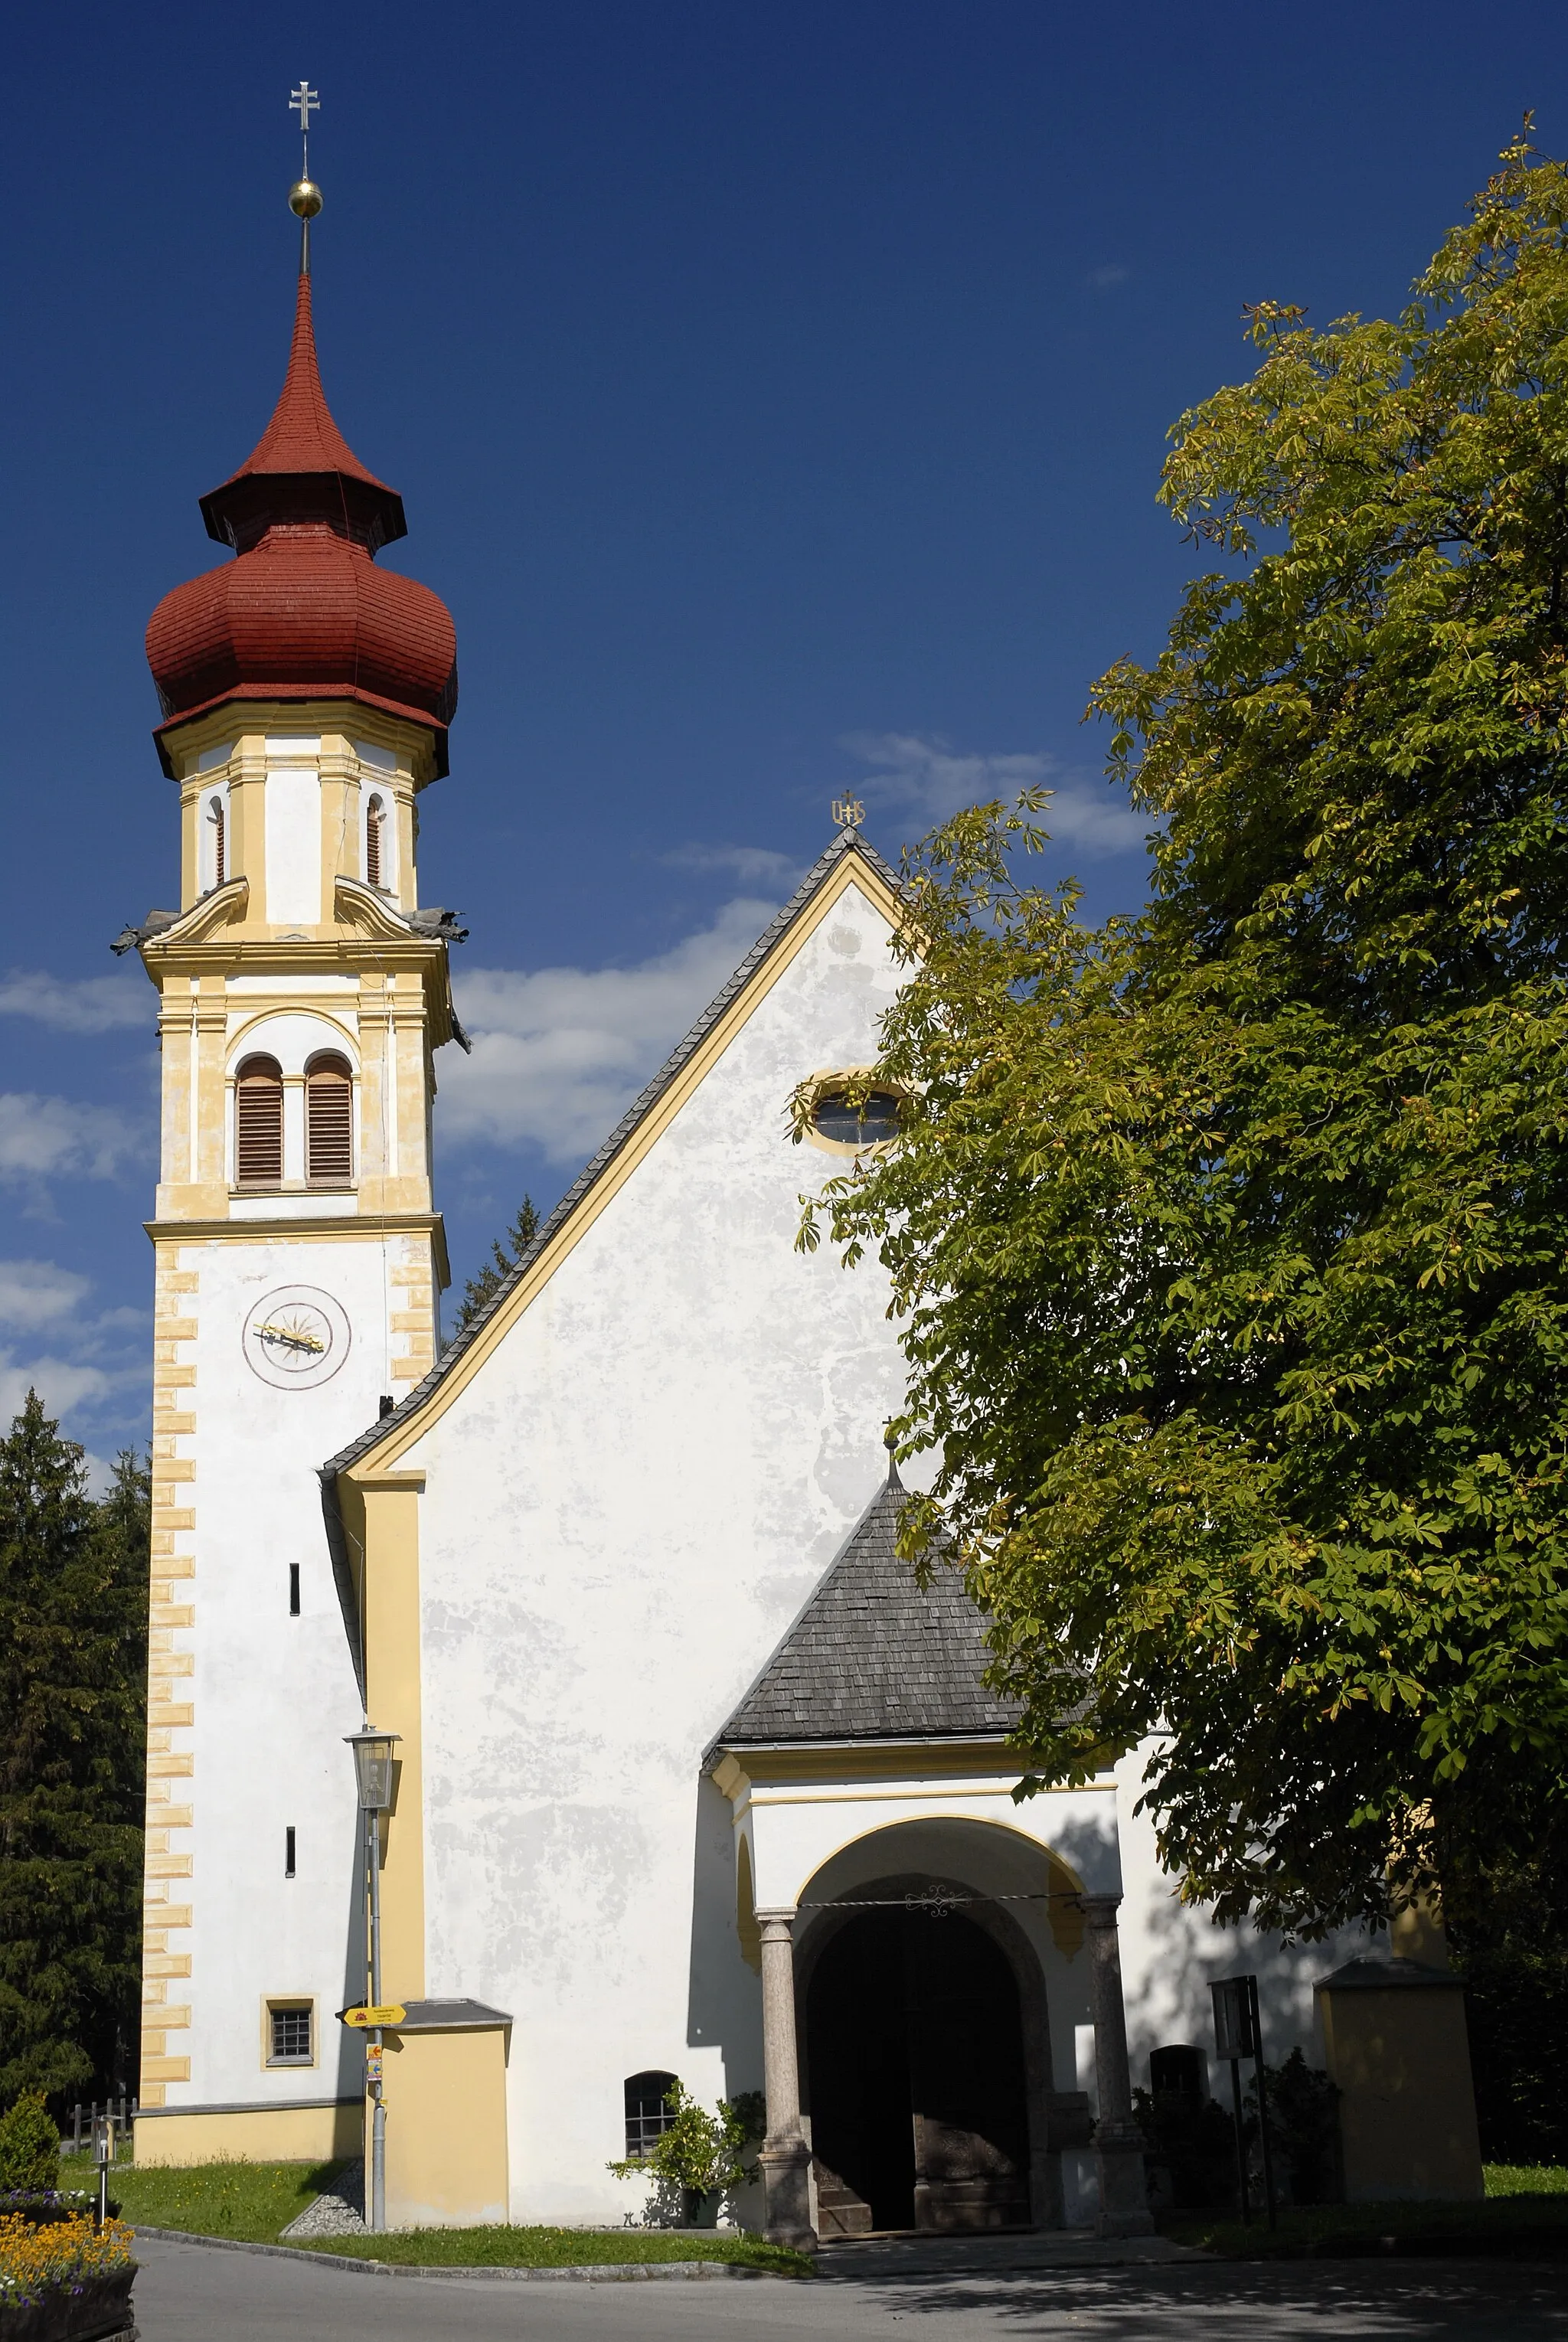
(373, 1763)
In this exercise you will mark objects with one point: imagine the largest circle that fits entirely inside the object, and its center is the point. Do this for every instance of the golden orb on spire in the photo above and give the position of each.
(304, 199)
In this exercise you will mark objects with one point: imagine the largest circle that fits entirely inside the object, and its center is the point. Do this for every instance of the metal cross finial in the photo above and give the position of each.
(848, 812)
(303, 102)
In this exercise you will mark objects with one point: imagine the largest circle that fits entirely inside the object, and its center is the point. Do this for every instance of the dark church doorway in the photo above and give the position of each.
(916, 2062)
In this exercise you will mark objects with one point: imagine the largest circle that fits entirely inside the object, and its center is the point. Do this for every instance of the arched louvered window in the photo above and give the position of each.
(258, 1124)
(375, 815)
(328, 1123)
(219, 855)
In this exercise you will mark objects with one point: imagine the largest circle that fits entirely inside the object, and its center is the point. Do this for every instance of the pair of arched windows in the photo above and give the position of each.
(328, 1123)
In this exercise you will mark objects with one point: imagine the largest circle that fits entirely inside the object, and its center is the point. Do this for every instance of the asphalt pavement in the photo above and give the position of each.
(193, 2293)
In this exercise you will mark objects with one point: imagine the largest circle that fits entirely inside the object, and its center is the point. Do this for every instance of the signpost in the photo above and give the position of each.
(392, 2013)
(103, 2155)
(1238, 2033)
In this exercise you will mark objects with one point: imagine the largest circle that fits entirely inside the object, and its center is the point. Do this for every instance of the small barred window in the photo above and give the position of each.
(291, 2031)
(647, 2114)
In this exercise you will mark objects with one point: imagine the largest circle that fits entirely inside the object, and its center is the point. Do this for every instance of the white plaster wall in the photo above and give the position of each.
(293, 845)
(273, 1694)
(1171, 1952)
(624, 1510)
(795, 1832)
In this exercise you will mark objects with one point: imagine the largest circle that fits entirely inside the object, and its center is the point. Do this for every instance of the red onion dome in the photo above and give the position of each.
(304, 612)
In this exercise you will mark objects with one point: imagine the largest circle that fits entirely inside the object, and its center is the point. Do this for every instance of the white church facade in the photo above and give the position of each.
(692, 1779)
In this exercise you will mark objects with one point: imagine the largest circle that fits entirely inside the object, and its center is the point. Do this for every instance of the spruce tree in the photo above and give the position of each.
(504, 1255)
(73, 1661)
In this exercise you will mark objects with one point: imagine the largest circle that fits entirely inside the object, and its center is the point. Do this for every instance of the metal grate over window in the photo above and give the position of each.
(289, 2037)
(646, 2113)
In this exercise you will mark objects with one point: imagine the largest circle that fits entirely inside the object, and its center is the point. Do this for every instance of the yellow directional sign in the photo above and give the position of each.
(391, 2012)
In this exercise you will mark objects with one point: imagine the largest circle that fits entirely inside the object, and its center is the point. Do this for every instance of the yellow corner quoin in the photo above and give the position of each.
(392, 2013)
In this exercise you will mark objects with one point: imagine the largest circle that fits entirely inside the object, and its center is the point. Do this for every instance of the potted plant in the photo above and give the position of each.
(696, 2159)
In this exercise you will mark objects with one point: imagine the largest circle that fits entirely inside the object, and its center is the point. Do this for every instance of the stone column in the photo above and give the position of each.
(1118, 2141)
(785, 2156)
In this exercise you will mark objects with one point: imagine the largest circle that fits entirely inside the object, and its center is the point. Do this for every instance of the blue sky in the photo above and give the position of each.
(777, 392)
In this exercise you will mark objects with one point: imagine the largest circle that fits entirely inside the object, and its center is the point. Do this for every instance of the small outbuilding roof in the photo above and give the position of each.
(875, 1656)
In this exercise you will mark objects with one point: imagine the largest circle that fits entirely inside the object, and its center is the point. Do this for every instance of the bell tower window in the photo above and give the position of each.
(329, 1123)
(213, 844)
(258, 1124)
(374, 815)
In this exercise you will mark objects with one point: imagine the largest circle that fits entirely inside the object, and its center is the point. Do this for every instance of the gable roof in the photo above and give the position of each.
(875, 1656)
(848, 845)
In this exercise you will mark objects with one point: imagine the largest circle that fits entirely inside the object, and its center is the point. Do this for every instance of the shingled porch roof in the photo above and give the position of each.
(873, 1655)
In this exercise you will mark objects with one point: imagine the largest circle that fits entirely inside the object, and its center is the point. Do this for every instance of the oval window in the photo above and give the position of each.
(853, 1120)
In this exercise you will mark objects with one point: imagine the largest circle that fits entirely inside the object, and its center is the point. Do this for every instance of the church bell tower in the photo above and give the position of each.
(305, 694)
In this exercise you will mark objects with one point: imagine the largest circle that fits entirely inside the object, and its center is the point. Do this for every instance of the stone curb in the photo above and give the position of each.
(581, 2272)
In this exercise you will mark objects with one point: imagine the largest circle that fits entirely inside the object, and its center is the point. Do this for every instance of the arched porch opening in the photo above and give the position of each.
(924, 2045)
(915, 2056)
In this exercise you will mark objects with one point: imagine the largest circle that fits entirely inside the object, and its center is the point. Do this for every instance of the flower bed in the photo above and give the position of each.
(63, 2280)
(44, 2206)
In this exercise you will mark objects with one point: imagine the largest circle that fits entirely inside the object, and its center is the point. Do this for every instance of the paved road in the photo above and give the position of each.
(189, 2293)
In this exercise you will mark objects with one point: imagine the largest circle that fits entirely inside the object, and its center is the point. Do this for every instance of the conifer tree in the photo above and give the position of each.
(73, 1663)
(504, 1255)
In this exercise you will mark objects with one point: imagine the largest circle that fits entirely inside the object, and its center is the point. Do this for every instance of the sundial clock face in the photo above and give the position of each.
(296, 1339)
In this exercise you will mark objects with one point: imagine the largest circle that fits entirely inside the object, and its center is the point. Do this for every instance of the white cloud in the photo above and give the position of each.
(61, 1383)
(44, 1137)
(928, 779)
(560, 1054)
(749, 866)
(1113, 273)
(34, 1292)
(89, 1363)
(92, 1003)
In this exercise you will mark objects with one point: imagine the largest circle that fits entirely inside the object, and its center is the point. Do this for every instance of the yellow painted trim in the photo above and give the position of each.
(347, 720)
(926, 1760)
(852, 871)
(389, 1603)
(280, 2134)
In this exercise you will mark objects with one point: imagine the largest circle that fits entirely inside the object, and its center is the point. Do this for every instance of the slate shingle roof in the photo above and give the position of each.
(873, 1655)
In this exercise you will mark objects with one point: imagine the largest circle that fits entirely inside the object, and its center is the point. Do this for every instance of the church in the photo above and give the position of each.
(688, 1777)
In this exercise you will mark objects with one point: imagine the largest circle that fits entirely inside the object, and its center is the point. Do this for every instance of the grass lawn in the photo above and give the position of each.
(564, 2249)
(252, 2201)
(1524, 2217)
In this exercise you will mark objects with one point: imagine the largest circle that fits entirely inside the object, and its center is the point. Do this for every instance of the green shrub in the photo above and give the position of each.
(1303, 2128)
(29, 2145)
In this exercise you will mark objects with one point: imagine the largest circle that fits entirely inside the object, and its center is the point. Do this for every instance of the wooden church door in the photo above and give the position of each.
(916, 2071)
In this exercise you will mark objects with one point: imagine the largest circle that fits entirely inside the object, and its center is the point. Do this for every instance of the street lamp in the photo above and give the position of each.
(373, 1763)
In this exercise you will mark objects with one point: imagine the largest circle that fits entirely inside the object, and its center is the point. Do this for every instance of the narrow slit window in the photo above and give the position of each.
(294, 1589)
(375, 815)
(329, 1123)
(258, 1124)
(288, 1851)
